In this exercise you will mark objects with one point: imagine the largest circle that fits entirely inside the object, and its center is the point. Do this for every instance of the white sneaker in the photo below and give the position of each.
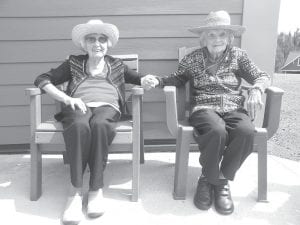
(95, 207)
(73, 211)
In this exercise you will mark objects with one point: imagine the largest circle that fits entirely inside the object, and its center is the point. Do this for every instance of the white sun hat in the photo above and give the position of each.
(218, 20)
(97, 27)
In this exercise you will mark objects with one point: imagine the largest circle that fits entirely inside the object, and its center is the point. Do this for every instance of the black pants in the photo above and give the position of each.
(87, 138)
(224, 141)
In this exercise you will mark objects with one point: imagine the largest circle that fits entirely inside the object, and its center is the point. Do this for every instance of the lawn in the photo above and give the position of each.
(286, 142)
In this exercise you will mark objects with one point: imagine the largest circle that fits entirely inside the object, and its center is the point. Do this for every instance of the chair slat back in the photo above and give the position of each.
(183, 93)
(131, 60)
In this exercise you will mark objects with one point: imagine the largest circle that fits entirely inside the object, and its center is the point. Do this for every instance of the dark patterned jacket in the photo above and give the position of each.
(73, 71)
(219, 89)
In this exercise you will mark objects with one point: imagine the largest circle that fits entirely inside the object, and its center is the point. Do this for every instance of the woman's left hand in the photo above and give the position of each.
(254, 102)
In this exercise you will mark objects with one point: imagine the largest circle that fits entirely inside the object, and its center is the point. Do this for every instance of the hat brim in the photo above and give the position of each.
(237, 30)
(81, 30)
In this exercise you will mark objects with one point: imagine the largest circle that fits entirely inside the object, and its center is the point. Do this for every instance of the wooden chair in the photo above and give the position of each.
(47, 136)
(176, 109)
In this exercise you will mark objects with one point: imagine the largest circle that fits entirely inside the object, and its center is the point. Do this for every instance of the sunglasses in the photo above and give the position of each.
(92, 40)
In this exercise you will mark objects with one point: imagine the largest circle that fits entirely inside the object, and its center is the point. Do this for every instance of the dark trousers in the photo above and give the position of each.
(87, 138)
(224, 141)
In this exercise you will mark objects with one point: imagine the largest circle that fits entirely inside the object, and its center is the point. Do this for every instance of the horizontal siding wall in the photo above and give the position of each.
(35, 36)
(56, 8)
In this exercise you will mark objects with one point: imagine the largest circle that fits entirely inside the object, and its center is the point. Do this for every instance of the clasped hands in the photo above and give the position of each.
(149, 81)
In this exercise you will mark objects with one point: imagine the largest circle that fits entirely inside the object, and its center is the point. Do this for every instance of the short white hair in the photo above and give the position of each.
(202, 38)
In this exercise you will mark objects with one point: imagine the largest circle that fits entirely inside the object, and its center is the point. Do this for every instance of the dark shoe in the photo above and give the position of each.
(203, 197)
(223, 201)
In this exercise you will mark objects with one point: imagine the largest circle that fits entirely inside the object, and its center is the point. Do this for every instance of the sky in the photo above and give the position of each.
(289, 16)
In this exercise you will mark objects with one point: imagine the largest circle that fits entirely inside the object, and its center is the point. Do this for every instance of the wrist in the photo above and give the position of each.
(160, 81)
(66, 100)
(255, 89)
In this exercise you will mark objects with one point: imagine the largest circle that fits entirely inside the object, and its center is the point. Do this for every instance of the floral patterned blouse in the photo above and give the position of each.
(217, 85)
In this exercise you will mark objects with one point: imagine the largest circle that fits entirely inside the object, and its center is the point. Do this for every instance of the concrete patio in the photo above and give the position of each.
(156, 205)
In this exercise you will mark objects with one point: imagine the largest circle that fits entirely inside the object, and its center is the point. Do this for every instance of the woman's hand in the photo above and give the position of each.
(254, 102)
(76, 102)
(149, 81)
(62, 97)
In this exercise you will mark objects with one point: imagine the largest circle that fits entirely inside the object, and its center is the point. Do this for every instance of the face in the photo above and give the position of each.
(216, 41)
(96, 45)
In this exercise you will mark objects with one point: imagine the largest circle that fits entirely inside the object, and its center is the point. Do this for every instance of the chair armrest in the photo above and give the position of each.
(37, 91)
(171, 109)
(137, 90)
(272, 110)
(137, 99)
(137, 117)
(33, 91)
(137, 104)
(35, 108)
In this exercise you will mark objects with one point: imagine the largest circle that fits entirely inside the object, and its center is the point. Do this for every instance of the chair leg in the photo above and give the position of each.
(142, 152)
(181, 164)
(262, 168)
(135, 170)
(36, 172)
(142, 155)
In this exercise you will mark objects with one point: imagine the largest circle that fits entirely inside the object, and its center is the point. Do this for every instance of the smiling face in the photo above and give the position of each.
(96, 45)
(216, 41)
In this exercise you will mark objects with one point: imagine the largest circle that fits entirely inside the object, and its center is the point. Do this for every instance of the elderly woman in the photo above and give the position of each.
(223, 128)
(94, 101)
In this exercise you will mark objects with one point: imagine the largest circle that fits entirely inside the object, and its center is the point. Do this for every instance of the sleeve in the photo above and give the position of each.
(55, 76)
(178, 78)
(252, 74)
(131, 76)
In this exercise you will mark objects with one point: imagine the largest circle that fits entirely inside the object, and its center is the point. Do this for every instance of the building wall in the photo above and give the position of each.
(35, 36)
(260, 39)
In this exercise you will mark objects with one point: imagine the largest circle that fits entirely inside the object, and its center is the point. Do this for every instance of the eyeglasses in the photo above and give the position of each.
(214, 34)
(92, 40)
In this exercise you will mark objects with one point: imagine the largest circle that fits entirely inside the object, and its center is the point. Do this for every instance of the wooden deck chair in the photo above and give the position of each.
(47, 136)
(177, 103)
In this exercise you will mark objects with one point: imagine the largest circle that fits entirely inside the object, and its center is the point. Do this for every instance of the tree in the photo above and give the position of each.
(285, 44)
(297, 39)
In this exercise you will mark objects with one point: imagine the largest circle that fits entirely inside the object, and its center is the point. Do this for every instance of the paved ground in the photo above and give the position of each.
(156, 205)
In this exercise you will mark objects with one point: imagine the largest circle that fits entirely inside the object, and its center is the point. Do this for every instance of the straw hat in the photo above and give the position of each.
(95, 26)
(218, 20)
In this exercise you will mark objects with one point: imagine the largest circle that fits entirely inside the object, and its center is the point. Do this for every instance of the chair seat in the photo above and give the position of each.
(185, 123)
(51, 126)
(50, 132)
